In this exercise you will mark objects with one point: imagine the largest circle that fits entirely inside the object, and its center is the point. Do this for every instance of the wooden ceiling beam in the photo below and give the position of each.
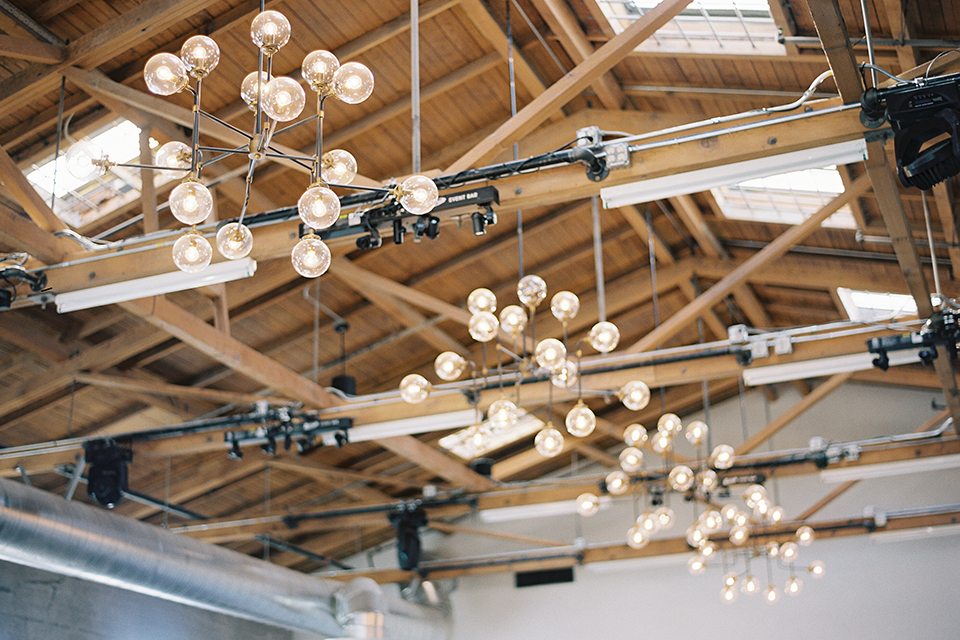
(27, 196)
(335, 475)
(944, 195)
(32, 50)
(158, 388)
(22, 234)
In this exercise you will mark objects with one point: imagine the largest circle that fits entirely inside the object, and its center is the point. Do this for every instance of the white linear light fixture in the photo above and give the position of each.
(736, 172)
(917, 533)
(226, 271)
(542, 510)
(756, 376)
(887, 469)
(411, 426)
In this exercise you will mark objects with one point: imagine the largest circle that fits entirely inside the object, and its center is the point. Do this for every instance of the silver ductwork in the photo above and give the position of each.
(44, 531)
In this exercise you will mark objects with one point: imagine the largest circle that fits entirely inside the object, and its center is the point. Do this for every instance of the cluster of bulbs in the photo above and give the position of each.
(281, 99)
(550, 356)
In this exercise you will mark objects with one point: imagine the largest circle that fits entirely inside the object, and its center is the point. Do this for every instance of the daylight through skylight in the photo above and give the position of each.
(876, 306)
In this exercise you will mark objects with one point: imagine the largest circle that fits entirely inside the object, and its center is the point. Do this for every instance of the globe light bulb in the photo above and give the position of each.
(730, 579)
(503, 414)
(319, 207)
(352, 83)
(697, 565)
(414, 388)
(750, 585)
(635, 435)
(418, 194)
(283, 99)
(722, 457)
(669, 423)
(192, 252)
(772, 549)
(754, 494)
(483, 326)
(637, 538)
(711, 520)
(729, 594)
(338, 167)
(270, 30)
(588, 504)
(580, 420)
(476, 438)
(648, 522)
(251, 90)
(191, 202)
(776, 515)
(564, 306)
(548, 442)
(481, 300)
(793, 586)
(661, 442)
(634, 395)
(449, 365)
(729, 511)
(631, 459)
(234, 241)
(666, 517)
(84, 160)
(617, 483)
(697, 432)
(770, 594)
(817, 568)
(695, 535)
(604, 337)
(310, 256)
(165, 74)
(741, 519)
(707, 480)
(200, 55)
(513, 319)
(805, 536)
(708, 548)
(318, 70)
(550, 354)
(739, 534)
(789, 551)
(176, 157)
(680, 478)
(566, 375)
(531, 290)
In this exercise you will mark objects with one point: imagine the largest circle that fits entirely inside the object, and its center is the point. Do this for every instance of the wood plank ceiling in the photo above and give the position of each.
(160, 362)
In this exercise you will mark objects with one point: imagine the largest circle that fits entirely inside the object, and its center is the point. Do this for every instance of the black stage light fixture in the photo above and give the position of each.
(398, 231)
(371, 241)
(408, 520)
(107, 477)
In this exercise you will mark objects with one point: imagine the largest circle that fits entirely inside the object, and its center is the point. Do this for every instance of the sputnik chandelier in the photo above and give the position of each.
(273, 99)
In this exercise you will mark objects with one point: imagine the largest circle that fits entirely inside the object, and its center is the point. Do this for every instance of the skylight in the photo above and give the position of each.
(458, 443)
(787, 198)
(875, 306)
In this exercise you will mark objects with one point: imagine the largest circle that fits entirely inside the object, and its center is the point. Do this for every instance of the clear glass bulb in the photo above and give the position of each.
(191, 202)
(648, 522)
(793, 586)
(476, 438)
(697, 565)
(283, 99)
(635, 435)
(580, 420)
(513, 319)
(730, 579)
(741, 519)
(200, 55)
(588, 504)
(503, 414)
(550, 354)
(697, 432)
(353, 83)
(319, 207)
(566, 375)
(661, 442)
(318, 70)
(708, 548)
(805, 536)
(338, 167)
(729, 511)
(707, 480)
(695, 535)
(251, 90)
(192, 252)
(604, 337)
(770, 594)
(449, 365)
(723, 456)
(669, 423)
(234, 241)
(634, 395)
(617, 483)
(176, 157)
(631, 459)
(165, 74)
(483, 326)
(414, 388)
(270, 30)
(310, 256)
(754, 494)
(531, 290)
(772, 549)
(729, 594)
(711, 520)
(564, 306)
(739, 534)
(549, 441)
(481, 300)
(637, 538)
(750, 585)
(817, 568)
(776, 514)
(418, 194)
(666, 517)
(82, 160)
(789, 551)
(680, 478)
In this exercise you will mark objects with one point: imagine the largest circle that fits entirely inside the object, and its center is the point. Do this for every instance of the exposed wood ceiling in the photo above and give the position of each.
(160, 362)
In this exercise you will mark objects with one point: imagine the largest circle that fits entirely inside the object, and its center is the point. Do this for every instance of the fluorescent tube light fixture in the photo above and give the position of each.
(755, 376)
(528, 511)
(886, 469)
(918, 533)
(728, 174)
(411, 426)
(154, 285)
